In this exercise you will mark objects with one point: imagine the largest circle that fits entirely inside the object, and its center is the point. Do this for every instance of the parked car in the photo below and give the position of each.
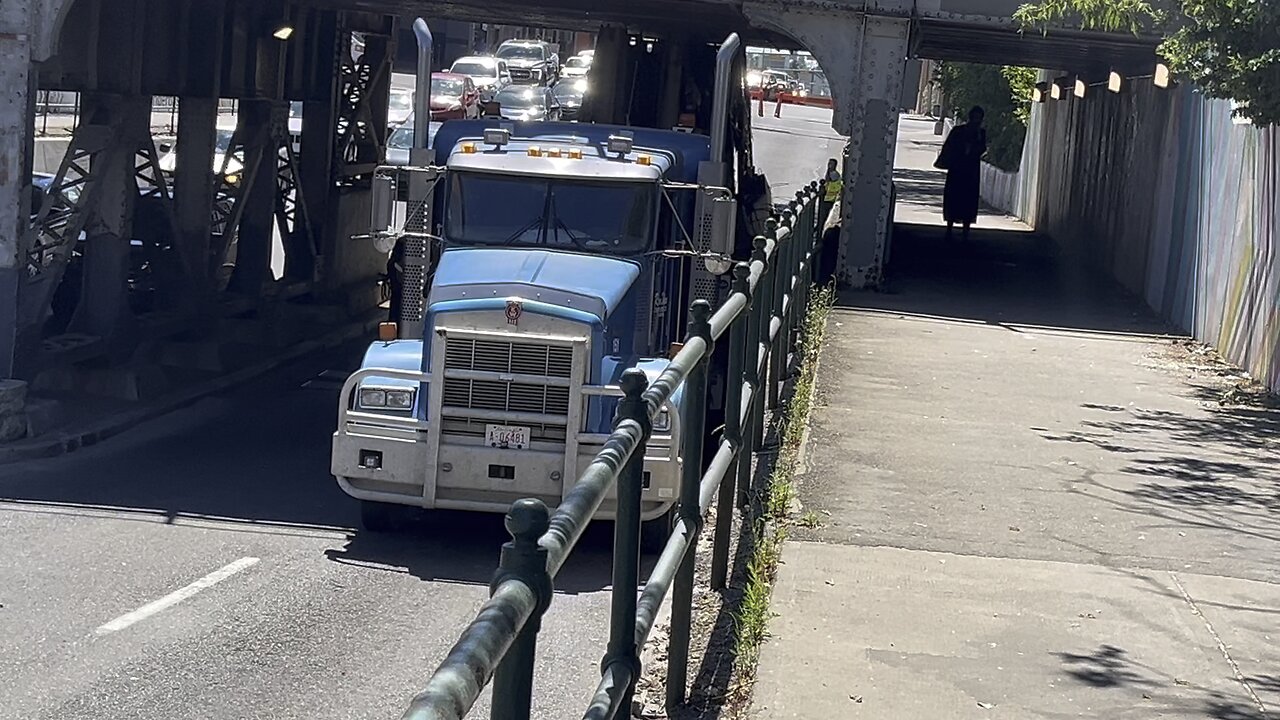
(454, 97)
(401, 141)
(532, 62)
(489, 74)
(771, 83)
(400, 106)
(569, 93)
(528, 103)
(576, 67)
(221, 143)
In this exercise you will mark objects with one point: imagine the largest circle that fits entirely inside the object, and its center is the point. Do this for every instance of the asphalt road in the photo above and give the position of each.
(206, 565)
(793, 149)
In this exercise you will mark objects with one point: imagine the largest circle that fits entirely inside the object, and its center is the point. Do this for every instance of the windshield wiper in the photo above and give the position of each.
(536, 222)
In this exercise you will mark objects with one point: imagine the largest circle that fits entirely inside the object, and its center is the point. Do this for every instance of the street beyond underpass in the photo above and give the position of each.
(205, 564)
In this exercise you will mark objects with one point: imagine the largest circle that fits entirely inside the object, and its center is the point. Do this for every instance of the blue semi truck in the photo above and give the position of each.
(542, 260)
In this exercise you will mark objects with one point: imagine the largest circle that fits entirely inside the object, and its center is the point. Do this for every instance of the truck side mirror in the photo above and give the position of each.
(724, 227)
(382, 205)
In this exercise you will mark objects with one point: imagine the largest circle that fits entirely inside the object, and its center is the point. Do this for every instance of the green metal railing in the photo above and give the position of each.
(761, 318)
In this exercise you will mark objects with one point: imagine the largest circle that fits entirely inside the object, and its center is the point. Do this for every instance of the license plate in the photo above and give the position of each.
(506, 436)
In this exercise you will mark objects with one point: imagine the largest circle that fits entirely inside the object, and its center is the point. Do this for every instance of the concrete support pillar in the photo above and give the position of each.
(257, 220)
(104, 301)
(866, 206)
(864, 57)
(610, 83)
(17, 81)
(193, 191)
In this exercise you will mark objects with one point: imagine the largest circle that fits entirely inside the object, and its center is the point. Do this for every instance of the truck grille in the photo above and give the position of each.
(521, 74)
(498, 356)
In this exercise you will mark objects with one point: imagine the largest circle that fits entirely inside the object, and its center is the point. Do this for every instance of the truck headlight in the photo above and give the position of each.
(371, 398)
(400, 399)
(662, 423)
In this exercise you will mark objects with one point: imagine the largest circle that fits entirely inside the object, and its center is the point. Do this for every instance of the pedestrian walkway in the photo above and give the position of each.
(1029, 502)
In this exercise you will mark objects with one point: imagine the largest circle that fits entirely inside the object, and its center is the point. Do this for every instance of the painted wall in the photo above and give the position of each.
(1177, 201)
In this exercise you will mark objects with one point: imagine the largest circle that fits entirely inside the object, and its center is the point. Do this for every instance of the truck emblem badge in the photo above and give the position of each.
(514, 311)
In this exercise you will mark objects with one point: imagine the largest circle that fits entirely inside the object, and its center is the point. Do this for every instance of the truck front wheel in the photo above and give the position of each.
(655, 533)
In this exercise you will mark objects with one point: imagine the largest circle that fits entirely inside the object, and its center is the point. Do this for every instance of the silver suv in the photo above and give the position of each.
(530, 61)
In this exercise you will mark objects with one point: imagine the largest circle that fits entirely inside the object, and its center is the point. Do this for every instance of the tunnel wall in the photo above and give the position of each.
(1178, 202)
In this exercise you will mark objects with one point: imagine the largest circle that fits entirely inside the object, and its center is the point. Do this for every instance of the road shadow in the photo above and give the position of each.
(1000, 277)
(1109, 667)
(464, 547)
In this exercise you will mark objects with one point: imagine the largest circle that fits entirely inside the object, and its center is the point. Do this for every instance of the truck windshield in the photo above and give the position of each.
(615, 218)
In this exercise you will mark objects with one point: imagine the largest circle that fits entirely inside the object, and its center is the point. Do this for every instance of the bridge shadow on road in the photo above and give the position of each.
(464, 547)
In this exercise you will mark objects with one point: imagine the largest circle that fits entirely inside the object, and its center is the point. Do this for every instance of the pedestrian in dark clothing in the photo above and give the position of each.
(961, 157)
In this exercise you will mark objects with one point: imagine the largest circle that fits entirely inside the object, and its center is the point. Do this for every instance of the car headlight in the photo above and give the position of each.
(371, 398)
(400, 399)
(662, 423)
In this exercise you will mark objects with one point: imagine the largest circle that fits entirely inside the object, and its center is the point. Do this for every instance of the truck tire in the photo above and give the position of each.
(379, 517)
(655, 533)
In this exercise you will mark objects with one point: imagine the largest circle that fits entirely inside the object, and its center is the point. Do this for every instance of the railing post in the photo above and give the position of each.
(695, 393)
(732, 429)
(626, 536)
(776, 265)
(524, 560)
(782, 287)
(757, 337)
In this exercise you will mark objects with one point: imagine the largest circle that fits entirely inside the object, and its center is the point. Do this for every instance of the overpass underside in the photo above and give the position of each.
(69, 271)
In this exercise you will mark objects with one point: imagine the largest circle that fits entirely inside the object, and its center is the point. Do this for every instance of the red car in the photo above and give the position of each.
(453, 97)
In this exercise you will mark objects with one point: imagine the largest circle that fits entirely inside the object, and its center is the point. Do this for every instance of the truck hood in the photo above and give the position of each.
(589, 283)
(525, 62)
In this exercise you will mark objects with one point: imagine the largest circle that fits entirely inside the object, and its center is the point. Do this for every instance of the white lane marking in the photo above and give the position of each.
(177, 596)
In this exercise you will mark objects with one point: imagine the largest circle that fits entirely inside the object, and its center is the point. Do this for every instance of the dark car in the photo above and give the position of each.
(530, 61)
(528, 103)
(569, 93)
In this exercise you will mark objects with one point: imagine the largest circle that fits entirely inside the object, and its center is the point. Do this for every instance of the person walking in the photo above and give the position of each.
(961, 157)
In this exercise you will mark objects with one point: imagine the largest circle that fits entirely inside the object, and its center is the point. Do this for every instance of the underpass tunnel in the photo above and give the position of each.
(1003, 270)
(140, 263)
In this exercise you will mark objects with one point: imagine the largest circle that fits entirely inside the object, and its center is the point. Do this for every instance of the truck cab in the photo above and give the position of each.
(564, 258)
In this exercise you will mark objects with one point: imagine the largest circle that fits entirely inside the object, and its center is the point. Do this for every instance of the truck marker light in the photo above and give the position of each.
(553, 152)
(575, 153)
(469, 148)
(644, 160)
(371, 459)
(674, 350)
(535, 151)
(388, 331)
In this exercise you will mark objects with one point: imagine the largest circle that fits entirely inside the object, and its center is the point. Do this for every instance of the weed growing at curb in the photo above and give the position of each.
(769, 525)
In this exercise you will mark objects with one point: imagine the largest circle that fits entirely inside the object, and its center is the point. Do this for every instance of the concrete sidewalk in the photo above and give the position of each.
(1032, 502)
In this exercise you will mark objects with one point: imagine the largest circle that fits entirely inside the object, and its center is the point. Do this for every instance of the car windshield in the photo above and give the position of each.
(403, 99)
(474, 69)
(402, 138)
(570, 90)
(522, 52)
(576, 62)
(446, 87)
(223, 140)
(500, 210)
(519, 97)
